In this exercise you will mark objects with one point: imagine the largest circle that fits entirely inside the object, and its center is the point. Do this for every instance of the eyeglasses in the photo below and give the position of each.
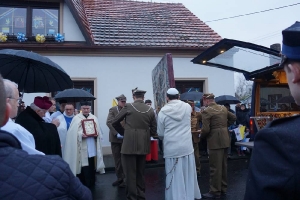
(18, 99)
(123, 101)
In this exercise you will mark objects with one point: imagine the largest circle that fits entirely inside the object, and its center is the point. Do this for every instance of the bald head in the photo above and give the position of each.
(12, 93)
(4, 107)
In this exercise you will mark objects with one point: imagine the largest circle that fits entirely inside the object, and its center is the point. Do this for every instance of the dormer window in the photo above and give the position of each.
(30, 18)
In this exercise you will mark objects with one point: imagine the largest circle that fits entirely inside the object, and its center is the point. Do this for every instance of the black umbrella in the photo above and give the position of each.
(286, 99)
(33, 72)
(196, 96)
(223, 99)
(74, 95)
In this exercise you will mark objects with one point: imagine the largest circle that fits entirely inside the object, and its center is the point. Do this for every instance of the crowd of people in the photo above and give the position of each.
(48, 154)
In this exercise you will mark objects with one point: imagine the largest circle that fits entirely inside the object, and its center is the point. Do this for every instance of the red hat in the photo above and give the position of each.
(42, 102)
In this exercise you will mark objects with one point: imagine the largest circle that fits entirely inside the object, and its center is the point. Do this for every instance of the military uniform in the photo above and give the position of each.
(215, 120)
(116, 143)
(195, 119)
(139, 126)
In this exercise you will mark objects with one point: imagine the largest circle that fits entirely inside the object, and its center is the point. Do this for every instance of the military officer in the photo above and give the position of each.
(140, 125)
(215, 122)
(196, 118)
(116, 140)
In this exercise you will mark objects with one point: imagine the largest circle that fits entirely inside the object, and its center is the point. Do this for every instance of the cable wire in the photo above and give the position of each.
(253, 13)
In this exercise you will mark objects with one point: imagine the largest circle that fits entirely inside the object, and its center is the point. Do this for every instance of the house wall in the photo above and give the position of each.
(118, 75)
(70, 27)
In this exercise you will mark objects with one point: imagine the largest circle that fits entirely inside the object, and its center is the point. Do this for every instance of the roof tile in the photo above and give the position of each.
(145, 24)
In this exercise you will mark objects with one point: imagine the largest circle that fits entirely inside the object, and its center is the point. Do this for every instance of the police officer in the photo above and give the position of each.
(116, 140)
(274, 168)
(140, 125)
(215, 122)
(196, 118)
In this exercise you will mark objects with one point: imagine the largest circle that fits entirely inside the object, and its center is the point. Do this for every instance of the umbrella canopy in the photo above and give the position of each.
(286, 99)
(196, 96)
(33, 72)
(223, 99)
(74, 95)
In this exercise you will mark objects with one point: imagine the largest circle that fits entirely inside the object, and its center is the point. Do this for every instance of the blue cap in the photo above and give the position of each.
(291, 43)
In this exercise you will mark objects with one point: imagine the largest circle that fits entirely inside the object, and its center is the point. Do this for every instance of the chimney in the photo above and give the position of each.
(274, 59)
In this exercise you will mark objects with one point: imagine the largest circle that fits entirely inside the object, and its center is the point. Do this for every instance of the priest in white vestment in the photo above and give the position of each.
(65, 120)
(174, 127)
(83, 152)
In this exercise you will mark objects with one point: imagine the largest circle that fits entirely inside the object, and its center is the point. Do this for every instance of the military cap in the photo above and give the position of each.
(138, 92)
(85, 103)
(121, 97)
(209, 96)
(133, 90)
(191, 102)
(290, 44)
(148, 101)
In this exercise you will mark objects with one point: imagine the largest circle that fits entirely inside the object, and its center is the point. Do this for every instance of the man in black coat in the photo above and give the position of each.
(45, 134)
(274, 171)
(24, 176)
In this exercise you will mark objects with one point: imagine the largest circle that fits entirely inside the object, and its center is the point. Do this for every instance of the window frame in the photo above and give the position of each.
(29, 6)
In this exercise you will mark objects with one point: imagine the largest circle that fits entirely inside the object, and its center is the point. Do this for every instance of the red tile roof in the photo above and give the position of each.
(141, 24)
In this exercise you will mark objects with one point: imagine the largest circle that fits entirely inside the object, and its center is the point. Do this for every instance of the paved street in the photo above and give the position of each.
(155, 183)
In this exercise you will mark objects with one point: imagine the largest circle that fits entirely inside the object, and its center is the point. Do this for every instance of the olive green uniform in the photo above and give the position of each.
(195, 119)
(140, 125)
(116, 144)
(215, 122)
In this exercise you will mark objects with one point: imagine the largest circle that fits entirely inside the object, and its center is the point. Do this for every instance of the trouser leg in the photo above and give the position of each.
(224, 172)
(197, 159)
(129, 167)
(215, 165)
(116, 151)
(88, 175)
(140, 176)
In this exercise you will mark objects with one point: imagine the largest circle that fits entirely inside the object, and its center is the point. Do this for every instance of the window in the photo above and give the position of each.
(30, 18)
(190, 86)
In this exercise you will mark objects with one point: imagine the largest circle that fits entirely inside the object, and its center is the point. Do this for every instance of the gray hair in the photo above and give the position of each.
(2, 100)
(9, 90)
(35, 107)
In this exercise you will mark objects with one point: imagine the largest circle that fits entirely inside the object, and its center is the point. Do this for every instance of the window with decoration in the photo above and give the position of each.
(29, 18)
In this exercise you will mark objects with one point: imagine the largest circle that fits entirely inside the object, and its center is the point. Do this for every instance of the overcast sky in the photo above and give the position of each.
(263, 28)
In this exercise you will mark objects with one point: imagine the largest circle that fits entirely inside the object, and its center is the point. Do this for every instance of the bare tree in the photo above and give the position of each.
(243, 88)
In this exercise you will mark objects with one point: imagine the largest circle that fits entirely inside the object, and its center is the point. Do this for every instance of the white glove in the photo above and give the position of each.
(120, 136)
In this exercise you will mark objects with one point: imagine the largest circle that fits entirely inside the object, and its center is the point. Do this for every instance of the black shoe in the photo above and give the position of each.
(223, 194)
(117, 183)
(122, 185)
(210, 195)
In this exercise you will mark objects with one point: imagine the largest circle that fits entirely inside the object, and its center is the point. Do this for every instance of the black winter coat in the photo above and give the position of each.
(45, 134)
(24, 176)
(242, 117)
(274, 172)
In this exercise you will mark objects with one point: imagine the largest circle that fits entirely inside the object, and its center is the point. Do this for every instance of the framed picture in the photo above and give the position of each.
(89, 128)
(273, 99)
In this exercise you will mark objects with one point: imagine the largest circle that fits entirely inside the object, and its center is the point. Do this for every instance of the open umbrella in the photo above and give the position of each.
(33, 72)
(196, 96)
(286, 99)
(223, 99)
(74, 95)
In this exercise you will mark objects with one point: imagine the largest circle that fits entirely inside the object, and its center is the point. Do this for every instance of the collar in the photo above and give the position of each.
(138, 101)
(71, 116)
(33, 114)
(86, 116)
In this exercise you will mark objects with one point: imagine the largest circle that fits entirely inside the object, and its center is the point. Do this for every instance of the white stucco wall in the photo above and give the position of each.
(70, 27)
(118, 75)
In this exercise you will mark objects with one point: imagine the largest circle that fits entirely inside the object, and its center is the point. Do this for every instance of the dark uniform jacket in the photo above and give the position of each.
(113, 112)
(195, 119)
(140, 124)
(215, 122)
(45, 134)
(274, 172)
(24, 176)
